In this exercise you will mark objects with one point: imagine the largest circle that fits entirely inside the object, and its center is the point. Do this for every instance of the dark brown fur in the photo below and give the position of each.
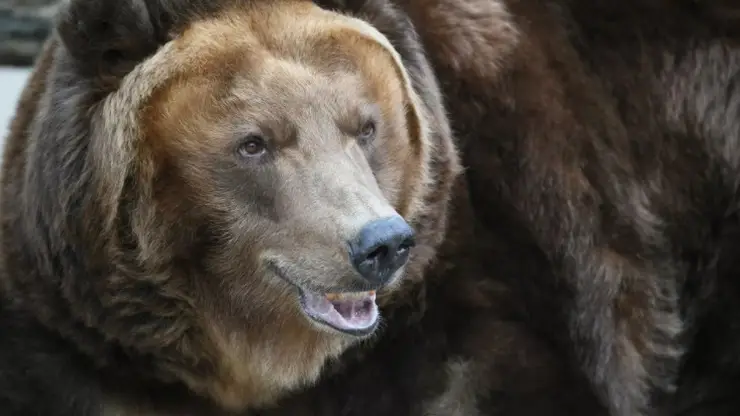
(589, 264)
(598, 141)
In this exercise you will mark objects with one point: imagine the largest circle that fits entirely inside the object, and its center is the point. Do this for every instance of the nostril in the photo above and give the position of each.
(406, 245)
(378, 253)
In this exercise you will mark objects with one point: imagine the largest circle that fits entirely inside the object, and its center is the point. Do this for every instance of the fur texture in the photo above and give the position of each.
(598, 141)
(140, 237)
(588, 264)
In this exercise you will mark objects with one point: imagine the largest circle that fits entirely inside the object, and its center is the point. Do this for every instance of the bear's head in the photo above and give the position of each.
(227, 189)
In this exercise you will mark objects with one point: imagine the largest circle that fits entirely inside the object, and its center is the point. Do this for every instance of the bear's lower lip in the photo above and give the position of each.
(353, 313)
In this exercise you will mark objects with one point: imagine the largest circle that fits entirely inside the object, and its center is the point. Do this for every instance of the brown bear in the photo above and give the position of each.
(205, 202)
(599, 141)
(191, 188)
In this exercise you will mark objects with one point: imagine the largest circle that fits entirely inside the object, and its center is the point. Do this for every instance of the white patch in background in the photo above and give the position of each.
(12, 81)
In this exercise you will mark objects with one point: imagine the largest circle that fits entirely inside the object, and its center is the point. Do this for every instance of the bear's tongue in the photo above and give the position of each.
(344, 311)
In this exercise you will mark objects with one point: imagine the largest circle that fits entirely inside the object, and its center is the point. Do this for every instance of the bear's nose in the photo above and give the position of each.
(381, 248)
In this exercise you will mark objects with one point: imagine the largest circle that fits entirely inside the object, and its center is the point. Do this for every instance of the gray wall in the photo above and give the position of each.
(24, 24)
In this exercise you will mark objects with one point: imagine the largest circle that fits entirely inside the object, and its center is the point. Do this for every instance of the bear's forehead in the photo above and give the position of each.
(238, 62)
(284, 93)
(244, 38)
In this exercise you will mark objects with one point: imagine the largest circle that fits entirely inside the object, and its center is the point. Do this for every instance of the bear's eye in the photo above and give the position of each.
(252, 146)
(367, 131)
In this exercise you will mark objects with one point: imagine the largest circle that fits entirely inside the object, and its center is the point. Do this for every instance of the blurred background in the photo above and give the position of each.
(24, 24)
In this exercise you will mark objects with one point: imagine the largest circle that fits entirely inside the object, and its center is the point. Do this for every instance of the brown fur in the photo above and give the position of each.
(588, 268)
(147, 149)
(598, 141)
(473, 38)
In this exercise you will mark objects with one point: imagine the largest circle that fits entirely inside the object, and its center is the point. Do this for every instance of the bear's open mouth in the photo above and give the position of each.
(354, 313)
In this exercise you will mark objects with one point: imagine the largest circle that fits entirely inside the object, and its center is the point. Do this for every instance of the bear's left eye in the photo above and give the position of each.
(252, 146)
(367, 131)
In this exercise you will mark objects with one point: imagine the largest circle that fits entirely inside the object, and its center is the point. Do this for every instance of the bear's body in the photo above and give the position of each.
(587, 267)
(599, 142)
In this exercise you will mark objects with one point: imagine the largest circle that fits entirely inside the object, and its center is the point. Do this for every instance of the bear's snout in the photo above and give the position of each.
(380, 248)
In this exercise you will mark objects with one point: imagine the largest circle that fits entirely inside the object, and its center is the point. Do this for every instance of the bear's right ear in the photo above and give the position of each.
(107, 38)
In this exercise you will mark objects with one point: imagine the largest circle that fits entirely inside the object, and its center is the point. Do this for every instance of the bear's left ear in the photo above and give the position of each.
(107, 38)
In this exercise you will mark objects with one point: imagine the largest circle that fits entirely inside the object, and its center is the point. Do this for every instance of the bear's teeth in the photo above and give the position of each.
(337, 297)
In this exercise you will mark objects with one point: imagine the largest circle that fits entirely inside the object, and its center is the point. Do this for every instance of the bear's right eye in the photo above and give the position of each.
(252, 146)
(367, 132)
